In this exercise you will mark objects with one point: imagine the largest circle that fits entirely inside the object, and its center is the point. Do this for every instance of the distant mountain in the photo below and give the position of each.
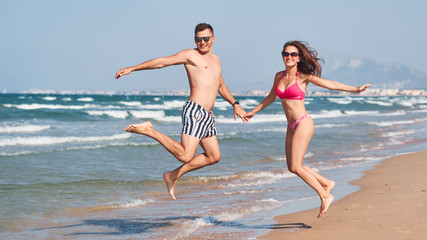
(357, 71)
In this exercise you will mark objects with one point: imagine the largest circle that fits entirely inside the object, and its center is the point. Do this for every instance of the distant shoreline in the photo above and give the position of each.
(374, 92)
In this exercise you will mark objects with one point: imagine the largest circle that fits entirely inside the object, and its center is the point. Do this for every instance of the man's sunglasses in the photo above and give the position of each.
(199, 39)
(292, 54)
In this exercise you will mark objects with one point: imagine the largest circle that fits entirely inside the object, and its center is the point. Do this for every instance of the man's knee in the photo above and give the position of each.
(185, 157)
(215, 158)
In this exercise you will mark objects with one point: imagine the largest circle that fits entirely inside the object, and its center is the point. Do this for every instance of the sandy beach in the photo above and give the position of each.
(390, 205)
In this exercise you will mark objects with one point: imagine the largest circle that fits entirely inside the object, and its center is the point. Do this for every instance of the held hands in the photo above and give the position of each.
(248, 116)
(238, 111)
(123, 71)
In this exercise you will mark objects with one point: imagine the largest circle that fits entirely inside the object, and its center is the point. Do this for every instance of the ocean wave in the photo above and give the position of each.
(394, 113)
(420, 119)
(170, 119)
(228, 217)
(391, 123)
(245, 103)
(361, 113)
(85, 99)
(411, 101)
(122, 205)
(279, 129)
(380, 103)
(393, 134)
(358, 159)
(338, 113)
(157, 115)
(35, 106)
(140, 114)
(23, 128)
(111, 113)
(167, 105)
(222, 105)
(256, 179)
(260, 118)
(328, 125)
(423, 110)
(49, 98)
(245, 192)
(190, 226)
(344, 101)
(48, 140)
(249, 102)
(6, 154)
(243, 178)
(132, 104)
(92, 147)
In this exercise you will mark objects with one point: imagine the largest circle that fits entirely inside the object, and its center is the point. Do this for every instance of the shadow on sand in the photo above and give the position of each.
(141, 225)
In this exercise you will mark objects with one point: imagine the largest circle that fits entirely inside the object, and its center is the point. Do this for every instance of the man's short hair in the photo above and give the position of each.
(202, 26)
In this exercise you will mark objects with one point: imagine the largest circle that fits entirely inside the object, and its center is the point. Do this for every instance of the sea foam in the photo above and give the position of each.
(48, 140)
(23, 128)
(111, 113)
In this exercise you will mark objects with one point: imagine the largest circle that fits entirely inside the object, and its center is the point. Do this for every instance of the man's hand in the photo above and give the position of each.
(123, 71)
(238, 111)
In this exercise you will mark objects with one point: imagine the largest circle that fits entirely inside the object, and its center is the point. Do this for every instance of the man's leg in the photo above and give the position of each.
(183, 151)
(211, 156)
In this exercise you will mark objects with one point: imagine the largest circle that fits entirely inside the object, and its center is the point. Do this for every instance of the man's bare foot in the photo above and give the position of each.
(170, 184)
(329, 187)
(141, 128)
(325, 205)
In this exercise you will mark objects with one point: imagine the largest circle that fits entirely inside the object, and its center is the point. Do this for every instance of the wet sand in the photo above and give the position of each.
(392, 204)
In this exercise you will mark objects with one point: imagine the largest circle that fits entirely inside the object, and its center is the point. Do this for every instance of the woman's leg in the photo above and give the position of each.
(296, 146)
(327, 184)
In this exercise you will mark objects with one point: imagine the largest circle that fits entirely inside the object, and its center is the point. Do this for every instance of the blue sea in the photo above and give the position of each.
(69, 171)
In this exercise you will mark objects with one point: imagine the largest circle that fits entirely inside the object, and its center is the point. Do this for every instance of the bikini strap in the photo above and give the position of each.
(296, 77)
(284, 72)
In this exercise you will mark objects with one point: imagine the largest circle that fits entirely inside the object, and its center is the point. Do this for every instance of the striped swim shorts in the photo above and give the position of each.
(197, 121)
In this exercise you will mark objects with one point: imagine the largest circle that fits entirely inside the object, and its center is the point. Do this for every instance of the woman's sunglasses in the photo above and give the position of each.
(292, 54)
(199, 39)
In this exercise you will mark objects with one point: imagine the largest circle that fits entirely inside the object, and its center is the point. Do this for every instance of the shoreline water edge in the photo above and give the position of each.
(70, 172)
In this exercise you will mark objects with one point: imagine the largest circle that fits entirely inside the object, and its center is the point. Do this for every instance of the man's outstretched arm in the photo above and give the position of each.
(179, 58)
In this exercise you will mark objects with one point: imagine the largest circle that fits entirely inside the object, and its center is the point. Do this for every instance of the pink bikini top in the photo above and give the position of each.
(293, 92)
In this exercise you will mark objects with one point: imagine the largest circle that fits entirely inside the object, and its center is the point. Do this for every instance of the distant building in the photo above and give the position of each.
(413, 92)
(372, 92)
(258, 93)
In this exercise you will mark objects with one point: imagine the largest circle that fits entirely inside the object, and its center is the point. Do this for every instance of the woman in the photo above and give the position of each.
(302, 68)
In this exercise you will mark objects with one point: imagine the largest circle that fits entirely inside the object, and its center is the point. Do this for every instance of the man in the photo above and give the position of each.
(205, 78)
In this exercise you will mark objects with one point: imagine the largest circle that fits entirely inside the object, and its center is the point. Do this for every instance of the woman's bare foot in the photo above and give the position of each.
(141, 128)
(325, 205)
(329, 187)
(170, 184)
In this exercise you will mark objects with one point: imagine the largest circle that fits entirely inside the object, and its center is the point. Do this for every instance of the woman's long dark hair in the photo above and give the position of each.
(310, 63)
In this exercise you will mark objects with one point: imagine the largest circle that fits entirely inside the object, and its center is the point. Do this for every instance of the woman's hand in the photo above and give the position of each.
(362, 88)
(248, 116)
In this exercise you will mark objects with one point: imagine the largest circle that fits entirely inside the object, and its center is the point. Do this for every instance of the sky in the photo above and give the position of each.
(80, 45)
